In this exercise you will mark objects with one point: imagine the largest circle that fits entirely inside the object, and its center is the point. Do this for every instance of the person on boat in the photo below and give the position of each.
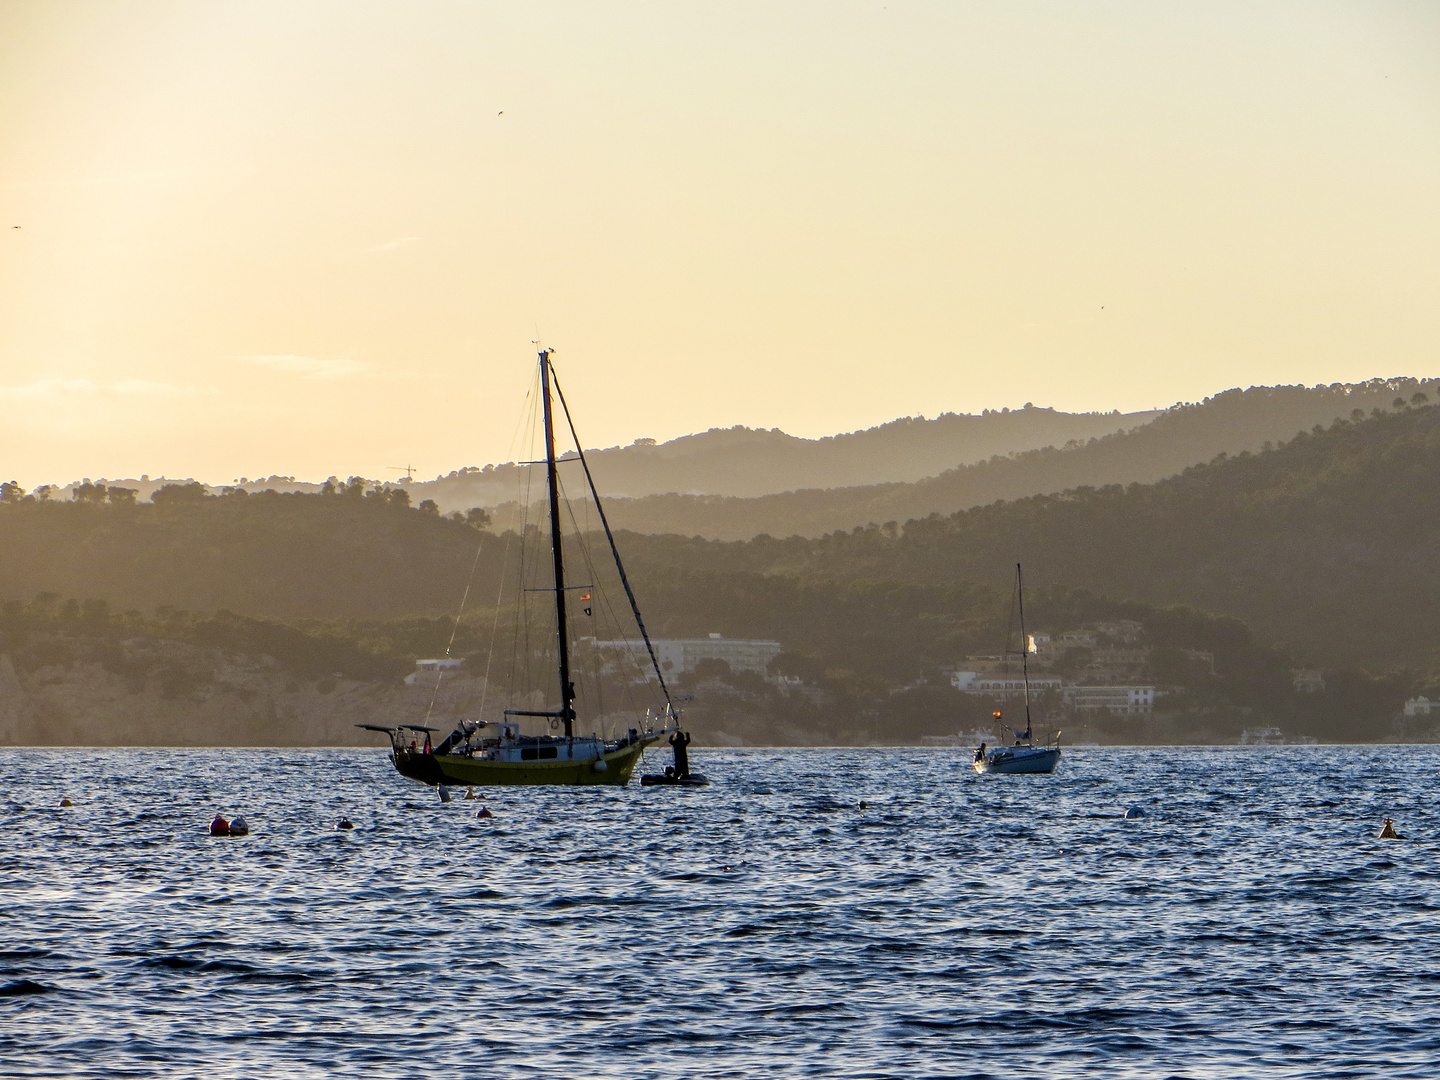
(980, 753)
(680, 741)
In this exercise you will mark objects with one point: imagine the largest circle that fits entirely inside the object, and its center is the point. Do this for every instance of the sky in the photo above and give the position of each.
(320, 238)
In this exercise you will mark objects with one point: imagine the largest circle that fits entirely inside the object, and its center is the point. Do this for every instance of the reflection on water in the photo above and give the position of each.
(957, 926)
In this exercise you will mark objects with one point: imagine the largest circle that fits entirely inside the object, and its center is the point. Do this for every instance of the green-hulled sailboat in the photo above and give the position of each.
(478, 753)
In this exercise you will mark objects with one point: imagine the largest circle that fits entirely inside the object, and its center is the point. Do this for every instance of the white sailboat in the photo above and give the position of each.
(1024, 756)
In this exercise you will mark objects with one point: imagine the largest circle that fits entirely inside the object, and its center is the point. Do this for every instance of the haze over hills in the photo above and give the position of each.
(1325, 545)
(1231, 422)
(744, 462)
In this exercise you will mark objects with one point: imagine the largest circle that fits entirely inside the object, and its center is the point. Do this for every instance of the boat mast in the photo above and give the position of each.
(1024, 647)
(567, 688)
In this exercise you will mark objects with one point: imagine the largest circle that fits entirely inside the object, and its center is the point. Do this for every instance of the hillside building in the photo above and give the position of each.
(433, 667)
(1131, 700)
(976, 682)
(681, 656)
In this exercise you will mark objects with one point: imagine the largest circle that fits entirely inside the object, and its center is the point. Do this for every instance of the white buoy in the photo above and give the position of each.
(600, 765)
(239, 827)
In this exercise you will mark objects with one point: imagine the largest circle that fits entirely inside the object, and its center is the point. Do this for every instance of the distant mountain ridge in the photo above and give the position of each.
(747, 462)
(1232, 422)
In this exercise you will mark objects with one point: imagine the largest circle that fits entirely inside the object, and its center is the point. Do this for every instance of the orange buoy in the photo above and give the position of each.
(219, 827)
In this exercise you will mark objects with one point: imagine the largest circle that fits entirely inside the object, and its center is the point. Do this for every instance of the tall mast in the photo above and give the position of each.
(567, 688)
(1024, 645)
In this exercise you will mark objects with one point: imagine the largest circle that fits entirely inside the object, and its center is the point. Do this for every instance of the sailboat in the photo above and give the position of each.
(1024, 756)
(480, 753)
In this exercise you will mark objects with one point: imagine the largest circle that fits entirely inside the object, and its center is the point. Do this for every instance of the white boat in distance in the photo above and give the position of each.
(1024, 756)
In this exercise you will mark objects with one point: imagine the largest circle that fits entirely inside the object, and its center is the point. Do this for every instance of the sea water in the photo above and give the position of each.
(827, 913)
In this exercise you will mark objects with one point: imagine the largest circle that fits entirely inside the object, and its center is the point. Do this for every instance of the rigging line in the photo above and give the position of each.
(615, 551)
(520, 647)
(584, 547)
(1024, 644)
(500, 580)
(607, 608)
(464, 596)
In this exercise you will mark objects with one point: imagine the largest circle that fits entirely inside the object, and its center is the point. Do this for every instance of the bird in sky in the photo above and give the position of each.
(500, 113)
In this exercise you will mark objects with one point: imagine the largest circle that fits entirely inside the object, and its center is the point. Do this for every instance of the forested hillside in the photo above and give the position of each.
(1231, 423)
(1328, 545)
(284, 555)
(1318, 552)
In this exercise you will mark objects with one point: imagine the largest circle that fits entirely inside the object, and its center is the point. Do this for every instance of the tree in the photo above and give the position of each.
(172, 494)
(124, 496)
(711, 668)
(429, 506)
(477, 517)
(11, 492)
(1418, 398)
(88, 493)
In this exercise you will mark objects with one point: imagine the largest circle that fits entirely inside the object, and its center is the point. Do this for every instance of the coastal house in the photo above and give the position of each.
(1419, 706)
(1307, 681)
(979, 682)
(433, 667)
(680, 656)
(1120, 699)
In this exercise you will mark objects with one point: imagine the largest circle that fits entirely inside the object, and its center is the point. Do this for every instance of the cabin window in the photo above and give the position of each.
(531, 753)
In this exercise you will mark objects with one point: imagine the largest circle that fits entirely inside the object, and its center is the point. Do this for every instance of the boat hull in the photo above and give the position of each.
(460, 771)
(1020, 759)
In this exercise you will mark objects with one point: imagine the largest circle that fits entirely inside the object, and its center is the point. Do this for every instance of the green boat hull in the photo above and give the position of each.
(460, 771)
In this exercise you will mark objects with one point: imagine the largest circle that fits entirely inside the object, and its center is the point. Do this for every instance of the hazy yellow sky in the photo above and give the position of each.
(314, 238)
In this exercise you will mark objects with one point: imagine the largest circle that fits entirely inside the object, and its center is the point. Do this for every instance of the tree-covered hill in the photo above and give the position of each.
(1319, 551)
(270, 554)
(1231, 423)
(1328, 545)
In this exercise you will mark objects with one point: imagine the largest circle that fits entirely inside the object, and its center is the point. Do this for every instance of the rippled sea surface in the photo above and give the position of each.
(953, 926)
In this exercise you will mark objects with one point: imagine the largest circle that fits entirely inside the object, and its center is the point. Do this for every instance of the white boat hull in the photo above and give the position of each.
(1020, 759)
